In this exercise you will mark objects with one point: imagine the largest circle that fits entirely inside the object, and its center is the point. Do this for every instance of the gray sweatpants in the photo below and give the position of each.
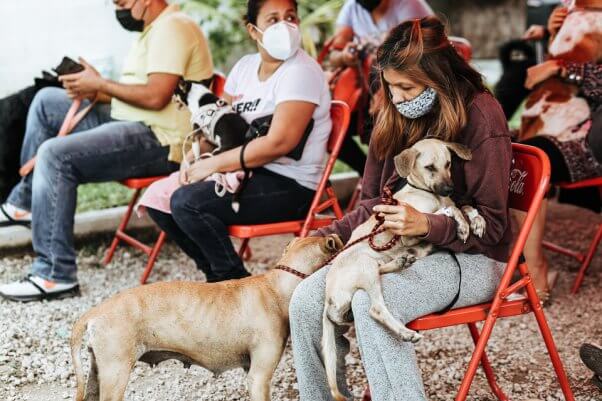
(428, 286)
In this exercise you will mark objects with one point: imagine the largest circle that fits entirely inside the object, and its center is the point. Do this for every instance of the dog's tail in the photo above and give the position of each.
(329, 355)
(79, 329)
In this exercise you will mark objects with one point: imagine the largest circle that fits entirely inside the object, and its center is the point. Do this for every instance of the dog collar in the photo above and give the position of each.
(292, 271)
(421, 189)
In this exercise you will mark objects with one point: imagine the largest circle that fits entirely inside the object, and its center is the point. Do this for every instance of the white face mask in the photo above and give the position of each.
(281, 40)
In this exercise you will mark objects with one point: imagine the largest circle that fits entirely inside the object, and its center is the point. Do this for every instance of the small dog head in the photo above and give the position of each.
(192, 94)
(309, 253)
(428, 164)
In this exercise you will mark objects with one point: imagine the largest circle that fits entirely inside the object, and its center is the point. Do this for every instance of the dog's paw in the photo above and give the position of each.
(477, 222)
(477, 226)
(411, 336)
(406, 260)
(463, 230)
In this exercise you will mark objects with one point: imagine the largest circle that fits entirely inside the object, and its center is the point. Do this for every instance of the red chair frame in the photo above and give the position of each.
(138, 184)
(529, 182)
(584, 258)
(324, 199)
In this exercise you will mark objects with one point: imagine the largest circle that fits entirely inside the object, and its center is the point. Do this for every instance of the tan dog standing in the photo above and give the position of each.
(219, 326)
(426, 165)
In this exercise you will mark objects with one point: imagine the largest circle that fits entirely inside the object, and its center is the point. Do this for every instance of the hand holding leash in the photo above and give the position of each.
(403, 219)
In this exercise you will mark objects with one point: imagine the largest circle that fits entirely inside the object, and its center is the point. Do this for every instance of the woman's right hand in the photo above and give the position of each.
(185, 165)
(556, 19)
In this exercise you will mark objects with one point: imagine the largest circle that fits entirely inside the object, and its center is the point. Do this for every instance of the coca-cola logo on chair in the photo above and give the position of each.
(517, 181)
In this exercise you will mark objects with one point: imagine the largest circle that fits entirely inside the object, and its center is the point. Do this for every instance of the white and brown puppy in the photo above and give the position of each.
(219, 326)
(427, 168)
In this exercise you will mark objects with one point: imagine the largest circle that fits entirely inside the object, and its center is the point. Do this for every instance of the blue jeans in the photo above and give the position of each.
(99, 149)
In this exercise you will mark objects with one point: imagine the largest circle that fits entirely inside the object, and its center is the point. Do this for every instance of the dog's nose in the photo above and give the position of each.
(446, 190)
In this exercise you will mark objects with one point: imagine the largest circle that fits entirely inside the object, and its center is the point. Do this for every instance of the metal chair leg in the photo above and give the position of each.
(474, 332)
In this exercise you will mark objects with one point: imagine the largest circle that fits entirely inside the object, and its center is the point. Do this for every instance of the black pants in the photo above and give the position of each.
(200, 219)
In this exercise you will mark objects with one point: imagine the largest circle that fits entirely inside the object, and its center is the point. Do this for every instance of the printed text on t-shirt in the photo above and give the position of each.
(247, 107)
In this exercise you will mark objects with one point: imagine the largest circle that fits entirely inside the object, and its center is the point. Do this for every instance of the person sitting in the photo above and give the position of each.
(281, 80)
(362, 23)
(414, 62)
(138, 135)
(573, 157)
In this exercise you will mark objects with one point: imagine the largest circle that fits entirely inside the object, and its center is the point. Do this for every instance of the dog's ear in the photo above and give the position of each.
(334, 243)
(404, 162)
(460, 150)
(288, 246)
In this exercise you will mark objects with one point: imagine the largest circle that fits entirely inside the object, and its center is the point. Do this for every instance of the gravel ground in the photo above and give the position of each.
(35, 362)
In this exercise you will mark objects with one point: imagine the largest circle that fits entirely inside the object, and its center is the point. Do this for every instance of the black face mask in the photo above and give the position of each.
(128, 22)
(369, 5)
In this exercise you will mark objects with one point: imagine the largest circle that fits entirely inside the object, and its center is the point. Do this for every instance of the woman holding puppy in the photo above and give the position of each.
(280, 80)
(428, 90)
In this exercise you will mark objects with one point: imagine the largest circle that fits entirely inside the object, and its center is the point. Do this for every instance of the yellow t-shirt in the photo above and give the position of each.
(173, 43)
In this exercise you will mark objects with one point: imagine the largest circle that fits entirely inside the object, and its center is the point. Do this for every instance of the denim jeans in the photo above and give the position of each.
(200, 219)
(99, 149)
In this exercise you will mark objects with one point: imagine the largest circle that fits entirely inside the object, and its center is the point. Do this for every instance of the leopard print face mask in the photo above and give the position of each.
(419, 106)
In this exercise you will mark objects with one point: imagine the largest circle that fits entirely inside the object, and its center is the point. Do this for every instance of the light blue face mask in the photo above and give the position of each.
(419, 106)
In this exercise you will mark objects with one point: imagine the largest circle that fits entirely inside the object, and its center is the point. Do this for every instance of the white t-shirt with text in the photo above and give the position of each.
(300, 78)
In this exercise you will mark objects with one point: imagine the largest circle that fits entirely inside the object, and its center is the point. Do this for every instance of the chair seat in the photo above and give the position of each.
(469, 314)
(592, 182)
(140, 183)
(286, 227)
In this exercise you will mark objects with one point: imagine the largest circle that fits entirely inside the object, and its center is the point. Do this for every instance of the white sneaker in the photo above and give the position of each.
(12, 215)
(34, 288)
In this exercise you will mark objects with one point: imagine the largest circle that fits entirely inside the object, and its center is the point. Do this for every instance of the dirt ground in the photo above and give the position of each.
(35, 363)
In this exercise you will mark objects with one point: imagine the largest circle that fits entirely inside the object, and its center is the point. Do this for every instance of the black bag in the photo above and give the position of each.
(261, 125)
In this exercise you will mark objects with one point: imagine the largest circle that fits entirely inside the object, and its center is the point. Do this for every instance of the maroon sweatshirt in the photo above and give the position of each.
(481, 182)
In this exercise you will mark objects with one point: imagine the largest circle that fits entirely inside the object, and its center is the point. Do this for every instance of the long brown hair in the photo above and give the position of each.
(421, 50)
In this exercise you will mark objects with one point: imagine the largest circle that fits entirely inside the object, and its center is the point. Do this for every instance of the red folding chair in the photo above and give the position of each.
(138, 184)
(584, 259)
(324, 199)
(529, 183)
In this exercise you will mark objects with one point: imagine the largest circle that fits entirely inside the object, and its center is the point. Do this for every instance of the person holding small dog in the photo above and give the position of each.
(428, 90)
(138, 135)
(281, 80)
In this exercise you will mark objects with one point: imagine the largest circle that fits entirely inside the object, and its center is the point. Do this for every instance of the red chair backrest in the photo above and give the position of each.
(346, 88)
(529, 176)
(217, 86)
(529, 180)
(462, 46)
(339, 114)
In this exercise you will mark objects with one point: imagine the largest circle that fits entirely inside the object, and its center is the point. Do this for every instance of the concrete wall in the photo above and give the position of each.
(36, 34)
(486, 24)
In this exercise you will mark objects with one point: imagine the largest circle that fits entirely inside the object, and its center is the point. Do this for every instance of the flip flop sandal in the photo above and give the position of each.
(43, 294)
(545, 295)
(11, 221)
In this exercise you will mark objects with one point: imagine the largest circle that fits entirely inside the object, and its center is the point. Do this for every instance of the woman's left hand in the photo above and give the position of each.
(200, 170)
(403, 219)
(541, 72)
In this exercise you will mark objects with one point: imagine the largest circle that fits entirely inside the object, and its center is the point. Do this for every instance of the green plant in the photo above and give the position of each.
(221, 21)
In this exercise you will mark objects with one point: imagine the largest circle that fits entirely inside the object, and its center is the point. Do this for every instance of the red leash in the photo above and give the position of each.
(387, 199)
